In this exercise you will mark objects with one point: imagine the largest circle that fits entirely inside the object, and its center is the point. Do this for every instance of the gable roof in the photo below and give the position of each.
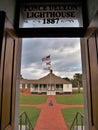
(51, 78)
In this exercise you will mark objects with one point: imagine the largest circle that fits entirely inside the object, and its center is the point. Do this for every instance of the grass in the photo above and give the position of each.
(33, 114)
(69, 114)
(73, 99)
(32, 99)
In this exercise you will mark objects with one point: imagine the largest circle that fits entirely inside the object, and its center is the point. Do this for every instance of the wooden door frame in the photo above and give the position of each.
(7, 29)
(93, 27)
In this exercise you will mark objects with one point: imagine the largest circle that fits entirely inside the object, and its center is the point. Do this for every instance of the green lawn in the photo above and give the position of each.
(33, 114)
(73, 99)
(32, 99)
(69, 114)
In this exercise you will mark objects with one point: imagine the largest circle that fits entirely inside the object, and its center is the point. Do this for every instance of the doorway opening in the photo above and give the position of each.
(39, 85)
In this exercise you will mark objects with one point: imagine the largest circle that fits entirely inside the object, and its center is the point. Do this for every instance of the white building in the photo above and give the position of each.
(49, 84)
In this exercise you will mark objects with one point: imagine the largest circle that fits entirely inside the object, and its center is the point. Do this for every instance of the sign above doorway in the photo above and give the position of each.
(50, 18)
(60, 14)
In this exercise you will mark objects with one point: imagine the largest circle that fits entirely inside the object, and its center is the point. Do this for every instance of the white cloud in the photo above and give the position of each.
(65, 56)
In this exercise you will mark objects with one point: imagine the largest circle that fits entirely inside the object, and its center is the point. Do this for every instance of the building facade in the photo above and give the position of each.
(49, 84)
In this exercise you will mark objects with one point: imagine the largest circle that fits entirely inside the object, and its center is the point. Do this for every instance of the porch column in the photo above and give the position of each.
(55, 87)
(20, 85)
(25, 85)
(31, 87)
(38, 87)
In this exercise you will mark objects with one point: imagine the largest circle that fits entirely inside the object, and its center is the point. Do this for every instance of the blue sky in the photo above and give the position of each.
(65, 57)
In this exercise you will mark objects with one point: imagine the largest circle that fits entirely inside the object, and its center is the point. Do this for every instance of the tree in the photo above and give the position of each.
(67, 79)
(78, 80)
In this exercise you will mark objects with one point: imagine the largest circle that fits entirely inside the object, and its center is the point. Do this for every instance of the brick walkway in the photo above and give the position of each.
(50, 116)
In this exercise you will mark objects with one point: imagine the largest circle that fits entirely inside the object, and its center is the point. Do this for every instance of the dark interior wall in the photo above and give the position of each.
(9, 7)
(92, 6)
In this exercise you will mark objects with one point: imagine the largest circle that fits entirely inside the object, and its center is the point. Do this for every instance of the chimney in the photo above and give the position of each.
(51, 71)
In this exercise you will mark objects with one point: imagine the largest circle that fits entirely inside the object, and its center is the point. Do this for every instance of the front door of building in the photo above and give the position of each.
(51, 92)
